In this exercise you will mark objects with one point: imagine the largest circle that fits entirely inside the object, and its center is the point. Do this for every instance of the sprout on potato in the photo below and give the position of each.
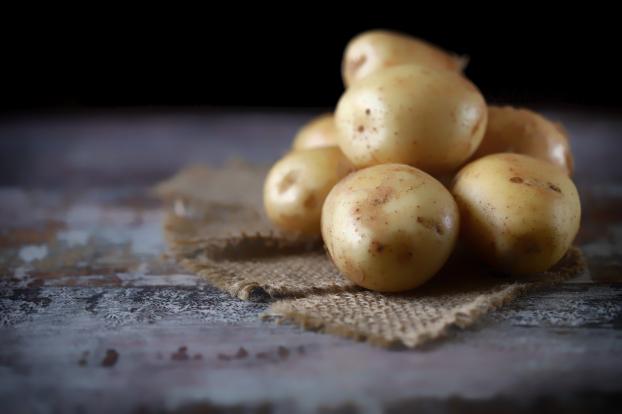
(518, 213)
(297, 185)
(389, 227)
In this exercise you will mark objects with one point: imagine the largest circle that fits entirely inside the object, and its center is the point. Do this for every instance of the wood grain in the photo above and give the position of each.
(94, 318)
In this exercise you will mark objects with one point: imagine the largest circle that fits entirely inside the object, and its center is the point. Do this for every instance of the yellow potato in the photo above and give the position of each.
(319, 132)
(525, 132)
(376, 50)
(390, 227)
(297, 185)
(518, 213)
(433, 120)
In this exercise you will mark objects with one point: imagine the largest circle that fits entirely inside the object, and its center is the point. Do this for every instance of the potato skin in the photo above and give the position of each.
(297, 185)
(390, 227)
(523, 131)
(518, 213)
(319, 132)
(433, 120)
(376, 50)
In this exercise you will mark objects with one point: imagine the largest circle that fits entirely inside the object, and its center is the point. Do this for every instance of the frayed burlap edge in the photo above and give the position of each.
(219, 258)
(287, 311)
(282, 312)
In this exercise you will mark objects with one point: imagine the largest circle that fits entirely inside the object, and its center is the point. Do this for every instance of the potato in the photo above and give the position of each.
(375, 50)
(525, 132)
(519, 214)
(433, 120)
(319, 132)
(297, 185)
(389, 227)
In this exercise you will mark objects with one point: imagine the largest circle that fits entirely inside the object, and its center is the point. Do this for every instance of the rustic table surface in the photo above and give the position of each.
(95, 318)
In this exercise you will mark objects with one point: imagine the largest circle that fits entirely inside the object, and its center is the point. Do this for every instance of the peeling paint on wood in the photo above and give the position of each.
(90, 306)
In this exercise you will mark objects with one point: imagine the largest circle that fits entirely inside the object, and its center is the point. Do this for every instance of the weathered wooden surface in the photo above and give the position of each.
(93, 318)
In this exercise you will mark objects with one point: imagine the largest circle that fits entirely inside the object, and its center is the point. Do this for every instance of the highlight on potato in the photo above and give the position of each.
(319, 132)
(435, 164)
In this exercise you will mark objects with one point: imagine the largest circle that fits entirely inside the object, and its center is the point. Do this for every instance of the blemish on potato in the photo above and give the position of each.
(554, 188)
(430, 224)
(382, 194)
(288, 180)
(354, 64)
(516, 180)
(377, 247)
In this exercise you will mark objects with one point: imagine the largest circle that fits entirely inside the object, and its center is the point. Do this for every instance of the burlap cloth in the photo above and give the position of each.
(215, 227)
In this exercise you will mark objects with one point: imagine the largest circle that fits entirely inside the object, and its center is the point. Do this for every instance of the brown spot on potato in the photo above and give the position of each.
(361, 128)
(382, 194)
(377, 246)
(516, 180)
(287, 181)
(430, 224)
(367, 111)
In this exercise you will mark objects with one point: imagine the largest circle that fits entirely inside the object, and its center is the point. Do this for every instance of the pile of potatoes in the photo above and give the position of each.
(412, 160)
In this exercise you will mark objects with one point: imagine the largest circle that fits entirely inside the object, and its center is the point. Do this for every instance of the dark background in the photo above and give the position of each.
(291, 58)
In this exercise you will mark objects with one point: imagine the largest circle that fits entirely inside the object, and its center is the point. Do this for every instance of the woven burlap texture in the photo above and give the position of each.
(216, 228)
